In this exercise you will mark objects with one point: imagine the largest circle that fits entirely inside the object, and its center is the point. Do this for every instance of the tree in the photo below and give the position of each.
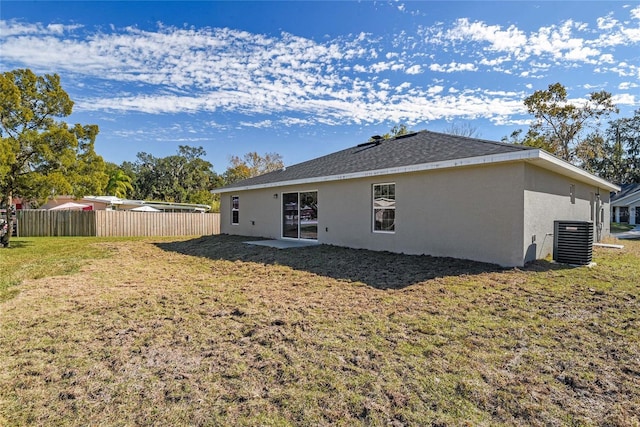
(236, 173)
(42, 157)
(621, 159)
(182, 178)
(250, 165)
(397, 130)
(463, 129)
(560, 126)
(629, 136)
(119, 183)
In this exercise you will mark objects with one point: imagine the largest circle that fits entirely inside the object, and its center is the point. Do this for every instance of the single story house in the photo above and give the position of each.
(422, 193)
(625, 205)
(116, 203)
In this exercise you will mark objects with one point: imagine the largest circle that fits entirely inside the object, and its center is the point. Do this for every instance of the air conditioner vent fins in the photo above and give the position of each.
(573, 242)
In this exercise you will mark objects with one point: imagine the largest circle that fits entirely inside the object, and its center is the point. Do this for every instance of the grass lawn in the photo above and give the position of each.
(210, 331)
(621, 228)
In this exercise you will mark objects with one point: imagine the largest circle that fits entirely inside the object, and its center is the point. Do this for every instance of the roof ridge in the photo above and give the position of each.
(485, 141)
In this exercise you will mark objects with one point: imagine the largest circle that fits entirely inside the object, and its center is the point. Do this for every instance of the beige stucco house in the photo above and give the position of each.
(422, 193)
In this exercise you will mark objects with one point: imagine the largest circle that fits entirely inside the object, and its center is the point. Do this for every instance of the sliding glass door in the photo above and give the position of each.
(300, 215)
(290, 215)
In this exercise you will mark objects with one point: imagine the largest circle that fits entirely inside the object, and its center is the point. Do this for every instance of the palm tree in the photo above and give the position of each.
(119, 184)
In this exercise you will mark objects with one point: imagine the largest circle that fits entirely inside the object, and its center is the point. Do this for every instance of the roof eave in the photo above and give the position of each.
(625, 201)
(550, 162)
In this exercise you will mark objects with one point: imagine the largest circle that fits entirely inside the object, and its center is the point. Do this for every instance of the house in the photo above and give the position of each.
(625, 205)
(116, 203)
(422, 193)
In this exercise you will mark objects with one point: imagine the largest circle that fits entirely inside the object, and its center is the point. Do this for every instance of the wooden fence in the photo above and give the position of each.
(35, 223)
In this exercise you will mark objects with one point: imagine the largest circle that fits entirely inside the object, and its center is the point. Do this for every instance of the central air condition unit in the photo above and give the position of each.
(573, 242)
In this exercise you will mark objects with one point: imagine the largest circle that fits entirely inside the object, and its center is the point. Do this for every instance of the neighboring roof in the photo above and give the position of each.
(631, 191)
(418, 151)
(129, 204)
(145, 209)
(70, 206)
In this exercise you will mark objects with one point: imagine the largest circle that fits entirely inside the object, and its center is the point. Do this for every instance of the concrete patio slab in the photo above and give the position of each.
(283, 244)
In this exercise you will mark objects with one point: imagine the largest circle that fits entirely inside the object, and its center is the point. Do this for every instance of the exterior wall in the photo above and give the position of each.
(470, 213)
(259, 213)
(547, 198)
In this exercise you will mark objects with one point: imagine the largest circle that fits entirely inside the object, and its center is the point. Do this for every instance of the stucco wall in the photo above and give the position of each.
(259, 215)
(499, 213)
(471, 213)
(547, 199)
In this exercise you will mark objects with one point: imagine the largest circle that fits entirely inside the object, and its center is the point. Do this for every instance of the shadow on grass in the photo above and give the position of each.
(381, 270)
(16, 243)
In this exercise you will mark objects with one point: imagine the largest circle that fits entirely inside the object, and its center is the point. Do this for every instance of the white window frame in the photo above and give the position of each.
(374, 208)
(235, 209)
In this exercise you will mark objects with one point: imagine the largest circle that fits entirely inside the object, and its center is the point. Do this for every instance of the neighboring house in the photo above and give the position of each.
(116, 203)
(422, 193)
(625, 205)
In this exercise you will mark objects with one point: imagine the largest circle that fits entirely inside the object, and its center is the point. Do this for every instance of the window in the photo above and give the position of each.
(384, 208)
(624, 214)
(235, 210)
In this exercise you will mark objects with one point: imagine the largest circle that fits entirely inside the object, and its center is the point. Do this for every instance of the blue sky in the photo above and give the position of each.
(304, 79)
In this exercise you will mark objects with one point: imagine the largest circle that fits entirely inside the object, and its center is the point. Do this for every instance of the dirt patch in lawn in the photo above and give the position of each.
(380, 270)
(211, 331)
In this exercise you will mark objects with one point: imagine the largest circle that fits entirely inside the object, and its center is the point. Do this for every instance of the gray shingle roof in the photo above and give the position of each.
(413, 149)
(627, 189)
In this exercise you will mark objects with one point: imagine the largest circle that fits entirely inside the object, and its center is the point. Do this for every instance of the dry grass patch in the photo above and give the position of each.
(211, 331)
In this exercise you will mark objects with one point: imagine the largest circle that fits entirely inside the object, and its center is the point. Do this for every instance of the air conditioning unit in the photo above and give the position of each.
(573, 242)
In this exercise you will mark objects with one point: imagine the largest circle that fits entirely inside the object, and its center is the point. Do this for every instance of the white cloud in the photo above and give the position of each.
(414, 69)
(403, 86)
(434, 90)
(16, 28)
(632, 34)
(627, 85)
(512, 39)
(567, 41)
(453, 67)
(580, 53)
(380, 67)
(299, 81)
(607, 22)
(258, 125)
(606, 58)
(492, 62)
(625, 99)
